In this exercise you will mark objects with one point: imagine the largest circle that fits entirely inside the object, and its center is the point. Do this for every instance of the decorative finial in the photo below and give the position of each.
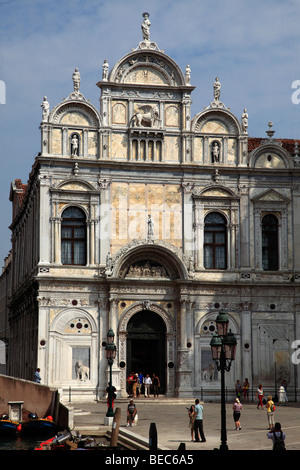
(146, 27)
(270, 133)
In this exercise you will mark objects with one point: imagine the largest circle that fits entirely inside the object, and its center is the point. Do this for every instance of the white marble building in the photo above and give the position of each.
(145, 219)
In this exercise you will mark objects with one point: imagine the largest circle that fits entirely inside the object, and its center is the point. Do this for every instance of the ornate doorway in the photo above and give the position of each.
(146, 345)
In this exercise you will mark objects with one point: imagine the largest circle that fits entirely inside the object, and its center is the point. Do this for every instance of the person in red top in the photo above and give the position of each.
(130, 380)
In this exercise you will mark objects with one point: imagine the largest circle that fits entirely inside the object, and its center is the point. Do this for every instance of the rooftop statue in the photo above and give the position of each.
(76, 80)
(217, 89)
(146, 27)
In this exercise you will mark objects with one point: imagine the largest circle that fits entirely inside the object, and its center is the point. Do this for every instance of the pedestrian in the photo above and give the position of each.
(260, 395)
(147, 385)
(191, 413)
(238, 389)
(131, 413)
(134, 384)
(246, 387)
(278, 437)
(237, 408)
(198, 422)
(111, 390)
(282, 394)
(140, 384)
(270, 412)
(37, 377)
(130, 384)
(156, 385)
(284, 384)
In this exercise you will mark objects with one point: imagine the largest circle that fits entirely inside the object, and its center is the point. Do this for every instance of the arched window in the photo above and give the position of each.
(215, 241)
(73, 237)
(270, 243)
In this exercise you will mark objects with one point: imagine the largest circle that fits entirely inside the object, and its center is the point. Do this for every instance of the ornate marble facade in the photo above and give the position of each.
(142, 211)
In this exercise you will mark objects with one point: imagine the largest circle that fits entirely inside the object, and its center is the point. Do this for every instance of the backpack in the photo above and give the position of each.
(278, 442)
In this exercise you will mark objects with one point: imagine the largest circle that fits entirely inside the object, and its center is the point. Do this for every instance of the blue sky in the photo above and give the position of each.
(253, 47)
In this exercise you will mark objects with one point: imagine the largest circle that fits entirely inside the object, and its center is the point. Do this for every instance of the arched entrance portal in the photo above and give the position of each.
(146, 345)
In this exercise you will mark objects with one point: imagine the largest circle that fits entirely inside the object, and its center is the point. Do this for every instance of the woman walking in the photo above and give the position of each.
(260, 395)
(237, 408)
(270, 412)
(246, 387)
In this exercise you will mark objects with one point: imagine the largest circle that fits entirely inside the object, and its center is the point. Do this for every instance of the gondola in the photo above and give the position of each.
(36, 426)
(8, 427)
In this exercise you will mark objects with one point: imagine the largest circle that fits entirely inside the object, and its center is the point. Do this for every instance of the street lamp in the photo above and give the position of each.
(223, 349)
(110, 350)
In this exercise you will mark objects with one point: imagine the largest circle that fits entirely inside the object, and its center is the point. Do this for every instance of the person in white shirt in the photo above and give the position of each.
(147, 385)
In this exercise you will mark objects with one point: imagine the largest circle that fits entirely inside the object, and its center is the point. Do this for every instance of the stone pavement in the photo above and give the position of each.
(171, 419)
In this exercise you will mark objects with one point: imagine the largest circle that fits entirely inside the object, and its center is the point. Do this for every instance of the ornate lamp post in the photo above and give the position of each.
(223, 348)
(110, 350)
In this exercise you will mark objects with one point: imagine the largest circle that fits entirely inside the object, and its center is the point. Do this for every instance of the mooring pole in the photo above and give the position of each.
(153, 437)
(115, 428)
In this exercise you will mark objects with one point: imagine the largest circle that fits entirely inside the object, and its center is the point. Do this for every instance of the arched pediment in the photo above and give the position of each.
(214, 191)
(147, 68)
(270, 156)
(75, 185)
(154, 260)
(216, 121)
(75, 113)
(62, 322)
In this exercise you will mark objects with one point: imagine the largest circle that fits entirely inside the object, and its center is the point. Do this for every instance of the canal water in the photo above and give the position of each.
(19, 443)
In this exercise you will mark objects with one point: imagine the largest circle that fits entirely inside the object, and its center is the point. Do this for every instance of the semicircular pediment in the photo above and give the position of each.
(213, 191)
(75, 113)
(147, 68)
(153, 259)
(216, 121)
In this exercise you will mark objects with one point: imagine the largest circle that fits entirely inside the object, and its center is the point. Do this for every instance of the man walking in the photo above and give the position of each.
(198, 422)
(147, 385)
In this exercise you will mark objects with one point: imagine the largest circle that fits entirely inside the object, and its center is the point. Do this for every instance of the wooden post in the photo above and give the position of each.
(115, 428)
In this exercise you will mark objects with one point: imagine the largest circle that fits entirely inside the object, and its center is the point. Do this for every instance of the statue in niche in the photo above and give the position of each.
(74, 146)
(45, 108)
(105, 68)
(208, 373)
(82, 371)
(245, 120)
(146, 27)
(217, 89)
(215, 152)
(76, 80)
